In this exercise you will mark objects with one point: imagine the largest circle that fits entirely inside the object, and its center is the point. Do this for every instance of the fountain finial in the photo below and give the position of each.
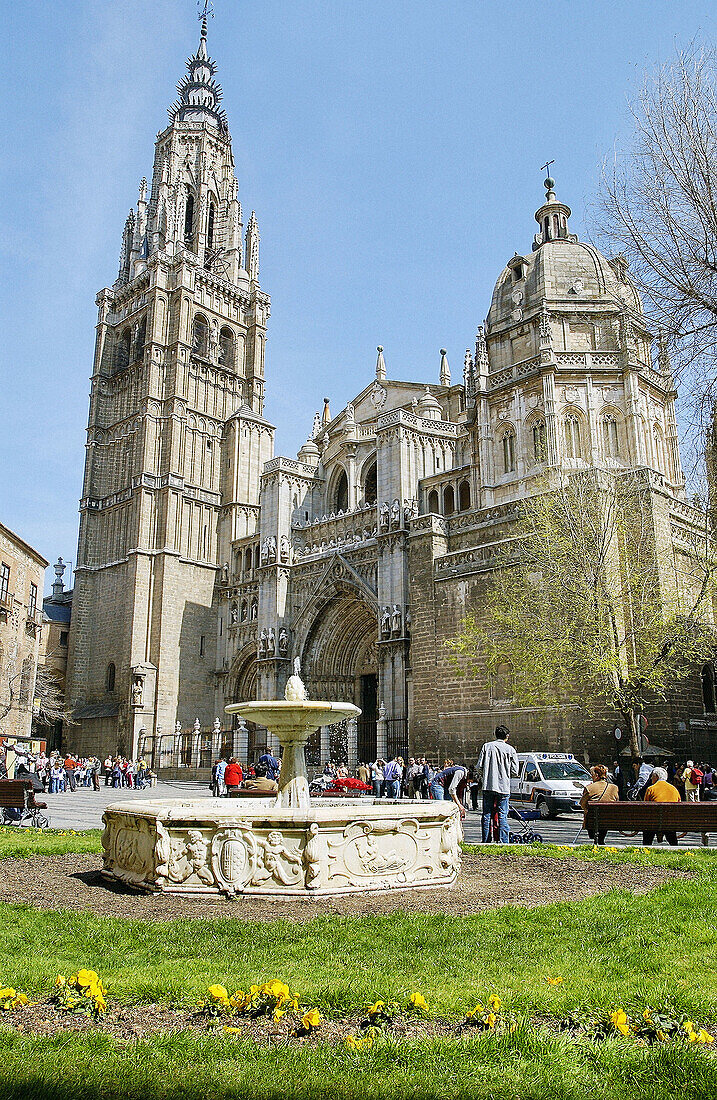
(295, 691)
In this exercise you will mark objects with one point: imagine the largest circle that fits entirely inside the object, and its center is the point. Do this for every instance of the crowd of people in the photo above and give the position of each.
(58, 773)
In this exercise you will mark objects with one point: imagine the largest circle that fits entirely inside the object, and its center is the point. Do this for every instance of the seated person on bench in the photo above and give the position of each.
(659, 790)
(600, 790)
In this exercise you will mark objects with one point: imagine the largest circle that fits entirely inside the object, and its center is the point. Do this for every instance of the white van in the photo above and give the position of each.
(550, 782)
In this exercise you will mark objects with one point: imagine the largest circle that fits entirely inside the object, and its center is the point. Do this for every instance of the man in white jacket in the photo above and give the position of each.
(497, 764)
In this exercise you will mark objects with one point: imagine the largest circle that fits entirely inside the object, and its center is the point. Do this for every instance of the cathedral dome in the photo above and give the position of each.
(560, 269)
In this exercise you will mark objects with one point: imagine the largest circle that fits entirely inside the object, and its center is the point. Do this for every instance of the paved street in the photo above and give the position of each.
(84, 809)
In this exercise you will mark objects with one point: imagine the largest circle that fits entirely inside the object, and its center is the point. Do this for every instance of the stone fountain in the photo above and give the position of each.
(284, 844)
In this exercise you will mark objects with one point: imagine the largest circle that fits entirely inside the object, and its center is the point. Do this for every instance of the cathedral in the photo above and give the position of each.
(207, 565)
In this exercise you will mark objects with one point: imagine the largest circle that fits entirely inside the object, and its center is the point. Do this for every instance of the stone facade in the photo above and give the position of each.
(206, 565)
(22, 573)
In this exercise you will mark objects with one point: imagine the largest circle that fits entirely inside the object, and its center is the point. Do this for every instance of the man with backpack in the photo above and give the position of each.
(692, 776)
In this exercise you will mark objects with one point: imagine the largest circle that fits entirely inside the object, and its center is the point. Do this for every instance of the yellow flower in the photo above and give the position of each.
(419, 1002)
(60, 980)
(232, 1030)
(100, 1004)
(218, 993)
(704, 1036)
(662, 1037)
(23, 999)
(620, 1021)
(495, 1002)
(352, 1042)
(553, 981)
(86, 977)
(647, 1015)
(376, 1009)
(279, 1012)
(253, 989)
(688, 1026)
(311, 1019)
(277, 989)
(491, 1019)
(7, 994)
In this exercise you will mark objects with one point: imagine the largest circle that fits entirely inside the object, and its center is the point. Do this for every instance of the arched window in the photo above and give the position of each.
(369, 485)
(540, 448)
(509, 452)
(707, 676)
(449, 505)
(124, 346)
(189, 220)
(248, 558)
(25, 683)
(610, 436)
(210, 226)
(573, 443)
(464, 496)
(226, 348)
(110, 677)
(501, 684)
(341, 493)
(433, 505)
(200, 335)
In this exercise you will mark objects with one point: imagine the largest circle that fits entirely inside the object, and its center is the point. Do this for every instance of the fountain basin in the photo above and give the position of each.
(233, 848)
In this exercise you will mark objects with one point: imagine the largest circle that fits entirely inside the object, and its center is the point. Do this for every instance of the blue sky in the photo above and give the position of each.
(391, 150)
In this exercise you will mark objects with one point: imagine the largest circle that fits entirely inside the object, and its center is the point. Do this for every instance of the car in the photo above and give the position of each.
(549, 782)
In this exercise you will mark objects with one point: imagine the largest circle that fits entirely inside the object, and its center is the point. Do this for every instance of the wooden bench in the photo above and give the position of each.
(653, 817)
(18, 795)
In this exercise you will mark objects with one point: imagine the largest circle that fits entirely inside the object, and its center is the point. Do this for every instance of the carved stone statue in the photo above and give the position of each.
(396, 618)
(396, 514)
(263, 643)
(234, 614)
(312, 857)
(265, 552)
(137, 688)
(271, 643)
(271, 549)
(283, 642)
(275, 860)
(386, 622)
(284, 548)
(383, 516)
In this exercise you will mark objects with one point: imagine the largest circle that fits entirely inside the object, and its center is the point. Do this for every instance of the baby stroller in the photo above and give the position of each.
(524, 834)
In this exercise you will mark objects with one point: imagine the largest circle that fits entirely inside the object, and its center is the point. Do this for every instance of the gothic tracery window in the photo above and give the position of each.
(509, 452)
(610, 437)
(539, 441)
(189, 220)
(573, 442)
(200, 335)
(226, 348)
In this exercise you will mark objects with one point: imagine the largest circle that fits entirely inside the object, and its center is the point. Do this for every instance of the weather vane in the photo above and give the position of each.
(546, 166)
(206, 8)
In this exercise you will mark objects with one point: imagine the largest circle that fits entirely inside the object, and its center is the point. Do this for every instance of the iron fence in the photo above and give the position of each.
(200, 750)
(396, 738)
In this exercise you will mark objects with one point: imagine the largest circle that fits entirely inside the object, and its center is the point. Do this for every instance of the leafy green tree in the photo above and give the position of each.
(584, 605)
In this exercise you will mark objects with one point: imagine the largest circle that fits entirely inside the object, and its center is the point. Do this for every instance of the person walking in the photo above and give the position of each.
(497, 765)
(692, 777)
(600, 790)
(377, 777)
(659, 790)
(392, 779)
(271, 764)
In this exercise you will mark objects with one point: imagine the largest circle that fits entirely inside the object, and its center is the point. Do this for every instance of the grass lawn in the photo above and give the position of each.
(615, 950)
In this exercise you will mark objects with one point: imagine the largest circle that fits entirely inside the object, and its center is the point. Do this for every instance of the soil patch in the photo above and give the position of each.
(487, 881)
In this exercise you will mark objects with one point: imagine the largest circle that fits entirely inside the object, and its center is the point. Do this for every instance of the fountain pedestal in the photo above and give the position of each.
(285, 844)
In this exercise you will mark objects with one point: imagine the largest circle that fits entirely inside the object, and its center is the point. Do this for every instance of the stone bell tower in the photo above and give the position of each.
(179, 352)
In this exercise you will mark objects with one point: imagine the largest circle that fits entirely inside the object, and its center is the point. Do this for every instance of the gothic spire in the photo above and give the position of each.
(199, 93)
